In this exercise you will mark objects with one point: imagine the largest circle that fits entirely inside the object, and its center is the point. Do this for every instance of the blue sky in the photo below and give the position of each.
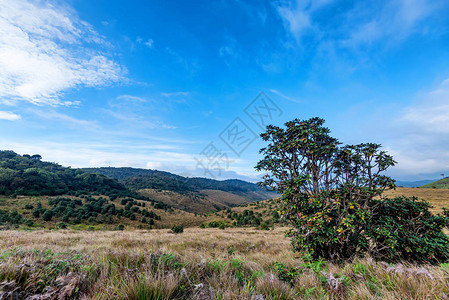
(160, 84)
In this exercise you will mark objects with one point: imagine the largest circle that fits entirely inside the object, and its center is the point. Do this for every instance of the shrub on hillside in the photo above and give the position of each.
(177, 229)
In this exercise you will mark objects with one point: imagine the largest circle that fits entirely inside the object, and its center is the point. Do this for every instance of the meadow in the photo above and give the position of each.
(235, 263)
(44, 262)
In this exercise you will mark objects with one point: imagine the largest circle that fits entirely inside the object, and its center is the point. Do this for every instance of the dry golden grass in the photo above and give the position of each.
(439, 198)
(233, 263)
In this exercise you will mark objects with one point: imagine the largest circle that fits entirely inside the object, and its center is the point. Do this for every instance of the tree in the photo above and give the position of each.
(328, 190)
(47, 215)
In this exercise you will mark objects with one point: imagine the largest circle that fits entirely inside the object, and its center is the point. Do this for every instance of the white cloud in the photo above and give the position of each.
(175, 94)
(296, 19)
(282, 95)
(7, 115)
(87, 154)
(136, 111)
(46, 50)
(396, 20)
(66, 119)
(361, 24)
(131, 98)
(421, 140)
(431, 114)
(297, 16)
(149, 43)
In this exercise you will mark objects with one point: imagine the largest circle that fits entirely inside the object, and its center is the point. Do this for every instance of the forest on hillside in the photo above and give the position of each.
(29, 175)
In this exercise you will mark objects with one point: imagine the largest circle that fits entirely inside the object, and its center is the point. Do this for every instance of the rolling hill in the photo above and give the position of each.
(29, 175)
(190, 194)
(413, 184)
(439, 184)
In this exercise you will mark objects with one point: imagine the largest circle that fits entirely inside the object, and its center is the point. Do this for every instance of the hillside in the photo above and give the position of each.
(439, 184)
(412, 184)
(190, 194)
(29, 175)
(153, 179)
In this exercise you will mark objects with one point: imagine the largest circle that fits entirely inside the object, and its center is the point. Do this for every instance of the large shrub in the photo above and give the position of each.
(404, 228)
(328, 196)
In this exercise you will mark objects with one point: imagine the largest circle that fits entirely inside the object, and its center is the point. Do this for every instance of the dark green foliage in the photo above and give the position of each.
(403, 228)
(247, 218)
(265, 225)
(213, 224)
(28, 175)
(328, 194)
(119, 227)
(92, 210)
(177, 229)
(62, 225)
(37, 212)
(11, 218)
(285, 273)
(28, 222)
(47, 215)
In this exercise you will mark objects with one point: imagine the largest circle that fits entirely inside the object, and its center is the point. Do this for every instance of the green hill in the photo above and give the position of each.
(136, 179)
(30, 176)
(190, 194)
(439, 184)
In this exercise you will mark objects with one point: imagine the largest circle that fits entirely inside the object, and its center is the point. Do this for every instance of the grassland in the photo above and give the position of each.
(198, 264)
(208, 263)
(439, 198)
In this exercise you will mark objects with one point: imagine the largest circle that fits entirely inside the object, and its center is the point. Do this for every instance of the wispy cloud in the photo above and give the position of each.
(84, 154)
(422, 134)
(10, 116)
(395, 21)
(297, 15)
(149, 43)
(276, 92)
(136, 111)
(131, 98)
(175, 94)
(46, 50)
(66, 119)
(431, 115)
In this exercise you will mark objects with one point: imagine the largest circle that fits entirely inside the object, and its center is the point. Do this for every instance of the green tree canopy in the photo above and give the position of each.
(330, 191)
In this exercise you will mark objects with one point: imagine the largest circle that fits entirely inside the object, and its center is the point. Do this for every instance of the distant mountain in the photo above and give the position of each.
(413, 184)
(190, 194)
(153, 179)
(439, 184)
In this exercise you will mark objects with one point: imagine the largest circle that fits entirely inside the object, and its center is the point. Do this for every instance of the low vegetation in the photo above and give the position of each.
(197, 264)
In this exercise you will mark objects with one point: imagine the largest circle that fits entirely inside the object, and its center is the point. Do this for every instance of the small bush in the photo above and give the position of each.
(120, 227)
(62, 225)
(177, 229)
